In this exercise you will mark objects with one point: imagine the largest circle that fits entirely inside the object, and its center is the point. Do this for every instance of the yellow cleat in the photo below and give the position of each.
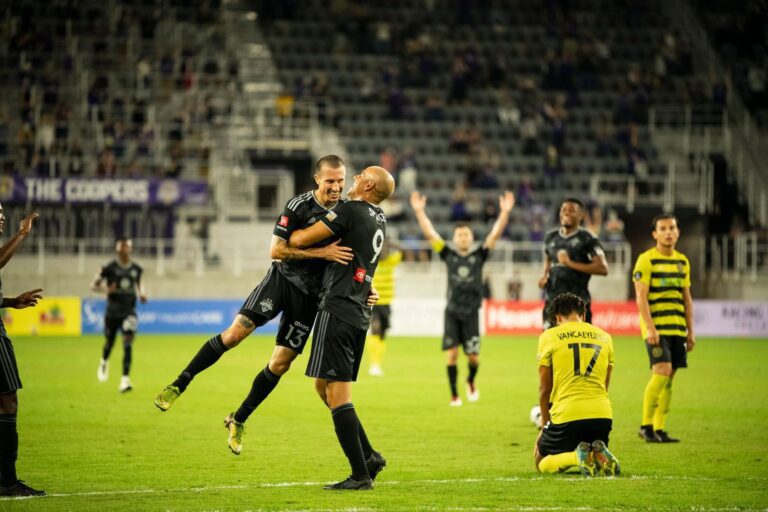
(236, 431)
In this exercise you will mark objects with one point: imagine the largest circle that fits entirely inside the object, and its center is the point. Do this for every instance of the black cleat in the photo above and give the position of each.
(350, 484)
(20, 489)
(646, 433)
(375, 464)
(663, 437)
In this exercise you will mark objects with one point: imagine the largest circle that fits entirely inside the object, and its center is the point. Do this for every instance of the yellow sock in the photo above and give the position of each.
(558, 463)
(377, 348)
(662, 410)
(651, 396)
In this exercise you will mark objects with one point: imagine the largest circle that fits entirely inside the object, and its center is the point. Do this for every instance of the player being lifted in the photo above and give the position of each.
(571, 255)
(662, 277)
(575, 363)
(123, 284)
(465, 260)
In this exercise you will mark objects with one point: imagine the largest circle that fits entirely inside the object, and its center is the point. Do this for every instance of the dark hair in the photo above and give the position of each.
(332, 161)
(460, 225)
(122, 239)
(663, 216)
(565, 304)
(572, 200)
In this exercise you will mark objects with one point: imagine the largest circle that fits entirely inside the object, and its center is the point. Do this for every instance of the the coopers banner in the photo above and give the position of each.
(115, 191)
(174, 316)
(53, 316)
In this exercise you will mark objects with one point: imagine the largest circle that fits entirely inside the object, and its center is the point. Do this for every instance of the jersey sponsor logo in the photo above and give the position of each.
(266, 305)
(638, 276)
(283, 221)
(125, 283)
(331, 216)
(360, 274)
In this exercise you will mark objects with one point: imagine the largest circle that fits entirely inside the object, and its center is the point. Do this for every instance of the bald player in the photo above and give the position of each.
(344, 315)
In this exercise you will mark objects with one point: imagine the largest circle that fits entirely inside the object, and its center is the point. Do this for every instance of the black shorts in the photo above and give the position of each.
(274, 294)
(671, 349)
(565, 437)
(9, 372)
(547, 323)
(380, 320)
(464, 331)
(337, 349)
(128, 324)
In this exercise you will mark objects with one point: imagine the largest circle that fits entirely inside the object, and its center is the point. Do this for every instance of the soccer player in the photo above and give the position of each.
(344, 315)
(10, 382)
(389, 259)
(465, 261)
(662, 277)
(572, 254)
(291, 286)
(123, 284)
(575, 363)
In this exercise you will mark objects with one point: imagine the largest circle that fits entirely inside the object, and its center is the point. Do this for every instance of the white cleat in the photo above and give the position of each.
(103, 372)
(473, 394)
(455, 402)
(376, 371)
(125, 384)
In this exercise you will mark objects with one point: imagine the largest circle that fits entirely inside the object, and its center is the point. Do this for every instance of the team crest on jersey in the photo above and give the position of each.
(657, 351)
(360, 274)
(266, 305)
(575, 242)
(638, 275)
(680, 267)
(331, 216)
(283, 221)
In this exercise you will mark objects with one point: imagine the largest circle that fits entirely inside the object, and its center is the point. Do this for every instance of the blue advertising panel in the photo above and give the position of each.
(174, 316)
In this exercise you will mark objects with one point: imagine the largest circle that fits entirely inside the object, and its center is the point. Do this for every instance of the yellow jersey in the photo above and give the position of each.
(666, 277)
(579, 355)
(384, 280)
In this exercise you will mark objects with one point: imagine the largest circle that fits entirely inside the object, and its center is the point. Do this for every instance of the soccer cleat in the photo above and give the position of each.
(473, 394)
(167, 396)
(20, 489)
(103, 372)
(455, 402)
(605, 461)
(375, 464)
(582, 456)
(350, 484)
(376, 371)
(646, 433)
(663, 437)
(236, 431)
(125, 384)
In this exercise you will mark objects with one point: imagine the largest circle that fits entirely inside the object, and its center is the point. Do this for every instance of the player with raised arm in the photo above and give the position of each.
(122, 277)
(575, 363)
(572, 254)
(662, 277)
(344, 315)
(465, 260)
(10, 382)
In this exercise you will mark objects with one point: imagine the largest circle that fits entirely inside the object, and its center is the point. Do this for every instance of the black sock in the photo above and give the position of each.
(208, 354)
(262, 386)
(452, 375)
(127, 352)
(9, 448)
(364, 443)
(108, 344)
(348, 432)
(472, 372)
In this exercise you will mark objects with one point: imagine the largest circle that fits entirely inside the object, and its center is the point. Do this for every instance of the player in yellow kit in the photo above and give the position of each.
(575, 363)
(380, 322)
(662, 277)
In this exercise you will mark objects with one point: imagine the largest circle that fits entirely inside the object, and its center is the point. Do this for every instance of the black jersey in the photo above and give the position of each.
(582, 245)
(301, 212)
(361, 226)
(465, 279)
(121, 301)
(2, 326)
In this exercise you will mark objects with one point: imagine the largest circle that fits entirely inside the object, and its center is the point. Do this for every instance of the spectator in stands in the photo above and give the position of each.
(603, 137)
(553, 168)
(458, 207)
(434, 108)
(388, 159)
(76, 164)
(529, 132)
(459, 142)
(396, 102)
(407, 171)
(457, 93)
(26, 141)
(507, 112)
(614, 227)
(524, 192)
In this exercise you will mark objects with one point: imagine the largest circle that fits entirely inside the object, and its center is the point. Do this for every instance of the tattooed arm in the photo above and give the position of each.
(280, 250)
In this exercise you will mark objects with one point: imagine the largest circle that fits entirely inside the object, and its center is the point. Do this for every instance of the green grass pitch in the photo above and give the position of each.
(94, 449)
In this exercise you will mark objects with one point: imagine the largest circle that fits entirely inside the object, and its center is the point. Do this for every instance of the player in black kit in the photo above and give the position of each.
(571, 255)
(345, 315)
(465, 261)
(291, 286)
(123, 283)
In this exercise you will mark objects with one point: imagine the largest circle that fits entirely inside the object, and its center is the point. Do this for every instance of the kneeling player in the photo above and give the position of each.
(575, 363)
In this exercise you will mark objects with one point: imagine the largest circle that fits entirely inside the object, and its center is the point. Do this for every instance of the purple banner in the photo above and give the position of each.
(115, 191)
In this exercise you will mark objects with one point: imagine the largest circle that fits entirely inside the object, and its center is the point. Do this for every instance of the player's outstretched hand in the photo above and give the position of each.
(373, 296)
(28, 299)
(25, 226)
(418, 201)
(507, 202)
(338, 253)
